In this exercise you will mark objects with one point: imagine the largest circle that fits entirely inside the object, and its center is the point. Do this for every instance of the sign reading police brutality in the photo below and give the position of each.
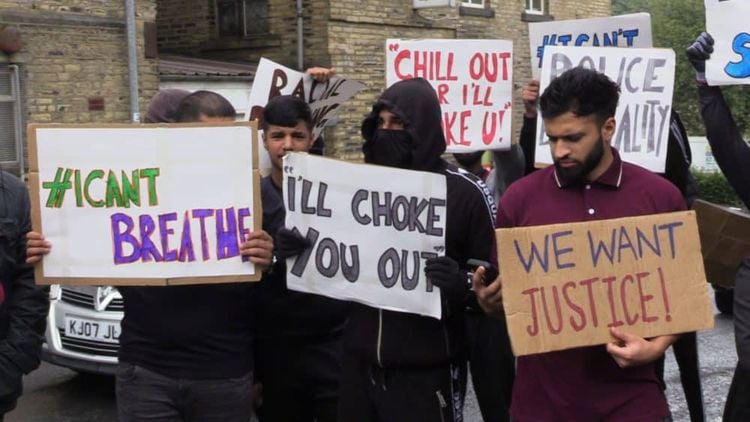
(474, 83)
(371, 232)
(144, 205)
(646, 80)
(726, 21)
(324, 98)
(564, 285)
(632, 30)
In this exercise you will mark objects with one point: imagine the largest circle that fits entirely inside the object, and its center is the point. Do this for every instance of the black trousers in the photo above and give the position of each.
(686, 354)
(370, 393)
(737, 407)
(492, 365)
(300, 379)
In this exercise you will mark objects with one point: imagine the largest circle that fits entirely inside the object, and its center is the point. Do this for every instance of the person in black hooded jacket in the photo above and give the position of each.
(23, 306)
(732, 154)
(399, 366)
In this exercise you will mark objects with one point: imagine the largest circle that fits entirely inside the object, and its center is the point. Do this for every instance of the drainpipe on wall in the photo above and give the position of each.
(135, 115)
(300, 38)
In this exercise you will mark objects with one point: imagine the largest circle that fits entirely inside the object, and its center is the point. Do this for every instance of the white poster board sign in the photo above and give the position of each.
(325, 98)
(727, 22)
(646, 79)
(633, 30)
(148, 204)
(474, 83)
(371, 232)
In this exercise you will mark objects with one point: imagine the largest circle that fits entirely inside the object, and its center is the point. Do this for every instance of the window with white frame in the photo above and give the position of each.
(11, 147)
(536, 7)
(241, 18)
(473, 3)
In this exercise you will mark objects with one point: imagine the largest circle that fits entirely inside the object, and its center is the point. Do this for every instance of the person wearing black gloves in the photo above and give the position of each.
(298, 346)
(23, 306)
(399, 366)
(732, 154)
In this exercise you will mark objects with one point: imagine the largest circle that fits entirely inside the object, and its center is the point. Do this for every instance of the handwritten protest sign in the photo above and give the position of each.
(727, 22)
(474, 83)
(564, 285)
(371, 232)
(725, 240)
(646, 79)
(144, 205)
(324, 98)
(633, 30)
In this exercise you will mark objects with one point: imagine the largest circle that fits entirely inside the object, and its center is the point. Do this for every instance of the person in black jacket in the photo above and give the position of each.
(23, 306)
(186, 351)
(399, 366)
(298, 347)
(732, 154)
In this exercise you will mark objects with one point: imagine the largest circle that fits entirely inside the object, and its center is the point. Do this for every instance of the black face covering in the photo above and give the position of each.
(392, 148)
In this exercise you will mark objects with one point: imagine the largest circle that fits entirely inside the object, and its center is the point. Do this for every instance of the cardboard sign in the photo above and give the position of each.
(646, 79)
(324, 98)
(144, 204)
(725, 240)
(633, 30)
(727, 22)
(564, 285)
(371, 232)
(474, 83)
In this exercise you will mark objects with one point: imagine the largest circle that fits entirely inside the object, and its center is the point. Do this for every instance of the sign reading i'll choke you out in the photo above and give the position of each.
(144, 205)
(371, 229)
(564, 285)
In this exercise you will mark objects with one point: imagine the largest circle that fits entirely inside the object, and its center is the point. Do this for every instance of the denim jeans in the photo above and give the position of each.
(144, 395)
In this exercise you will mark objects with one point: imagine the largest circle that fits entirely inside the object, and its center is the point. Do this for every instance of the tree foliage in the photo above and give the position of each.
(676, 24)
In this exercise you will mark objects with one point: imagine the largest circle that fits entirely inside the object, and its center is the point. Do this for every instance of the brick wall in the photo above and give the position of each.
(188, 27)
(350, 36)
(73, 50)
(357, 32)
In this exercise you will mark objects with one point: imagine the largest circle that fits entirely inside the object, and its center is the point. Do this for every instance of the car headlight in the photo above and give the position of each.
(55, 292)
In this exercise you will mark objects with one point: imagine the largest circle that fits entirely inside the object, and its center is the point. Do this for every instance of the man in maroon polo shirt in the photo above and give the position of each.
(588, 181)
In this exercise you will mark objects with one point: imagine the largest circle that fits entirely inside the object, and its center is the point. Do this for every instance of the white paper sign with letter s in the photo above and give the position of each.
(371, 230)
(727, 22)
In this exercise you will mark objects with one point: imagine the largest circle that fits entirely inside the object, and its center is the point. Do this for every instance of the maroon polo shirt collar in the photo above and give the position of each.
(611, 177)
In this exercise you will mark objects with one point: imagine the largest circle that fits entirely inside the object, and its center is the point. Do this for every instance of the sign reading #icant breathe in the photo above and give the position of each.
(144, 205)
(371, 229)
(564, 285)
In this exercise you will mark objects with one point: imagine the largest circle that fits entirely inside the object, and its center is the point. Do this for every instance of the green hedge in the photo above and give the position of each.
(714, 187)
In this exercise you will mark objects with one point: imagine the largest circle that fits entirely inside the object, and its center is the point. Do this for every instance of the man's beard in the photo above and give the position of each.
(577, 174)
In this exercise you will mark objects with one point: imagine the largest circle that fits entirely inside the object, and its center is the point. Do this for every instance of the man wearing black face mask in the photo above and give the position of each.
(399, 366)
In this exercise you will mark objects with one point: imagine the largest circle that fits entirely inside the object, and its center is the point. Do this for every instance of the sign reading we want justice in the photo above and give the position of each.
(144, 205)
(564, 285)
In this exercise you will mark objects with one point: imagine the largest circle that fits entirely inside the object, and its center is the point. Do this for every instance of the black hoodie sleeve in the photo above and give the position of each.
(731, 152)
(24, 310)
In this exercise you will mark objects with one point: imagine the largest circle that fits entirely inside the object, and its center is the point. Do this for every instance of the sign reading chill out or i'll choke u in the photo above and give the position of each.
(371, 229)
(473, 80)
(144, 204)
(564, 285)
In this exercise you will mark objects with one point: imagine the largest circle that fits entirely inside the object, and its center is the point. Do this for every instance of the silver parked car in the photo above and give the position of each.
(83, 328)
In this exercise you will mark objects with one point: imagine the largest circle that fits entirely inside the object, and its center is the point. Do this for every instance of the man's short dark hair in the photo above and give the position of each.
(201, 104)
(583, 92)
(286, 111)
